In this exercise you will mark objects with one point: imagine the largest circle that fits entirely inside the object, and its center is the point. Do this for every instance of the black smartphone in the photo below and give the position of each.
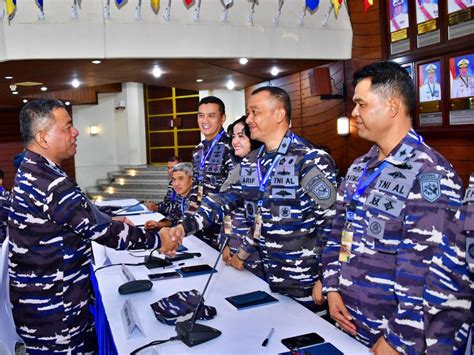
(195, 270)
(164, 275)
(302, 341)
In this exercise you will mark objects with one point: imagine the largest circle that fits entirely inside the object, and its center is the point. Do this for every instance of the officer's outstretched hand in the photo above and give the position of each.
(177, 234)
(339, 312)
(318, 293)
(382, 347)
(226, 255)
(168, 246)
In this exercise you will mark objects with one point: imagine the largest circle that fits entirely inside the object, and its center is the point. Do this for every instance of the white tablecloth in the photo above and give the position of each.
(242, 331)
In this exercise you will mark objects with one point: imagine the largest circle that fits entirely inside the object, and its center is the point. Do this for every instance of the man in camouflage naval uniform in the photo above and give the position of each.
(450, 286)
(165, 206)
(51, 224)
(288, 190)
(212, 160)
(393, 207)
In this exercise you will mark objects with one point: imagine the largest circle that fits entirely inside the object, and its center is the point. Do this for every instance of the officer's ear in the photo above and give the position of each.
(394, 106)
(223, 118)
(280, 114)
(41, 139)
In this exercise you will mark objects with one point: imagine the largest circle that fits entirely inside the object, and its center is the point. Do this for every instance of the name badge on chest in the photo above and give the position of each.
(249, 177)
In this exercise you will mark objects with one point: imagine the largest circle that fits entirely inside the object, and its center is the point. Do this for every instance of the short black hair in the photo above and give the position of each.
(175, 158)
(279, 95)
(230, 131)
(34, 114)
(1, 174)
(389, 78)
(213, 100)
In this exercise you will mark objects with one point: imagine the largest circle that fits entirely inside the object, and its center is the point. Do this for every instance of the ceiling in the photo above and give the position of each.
(57, 75)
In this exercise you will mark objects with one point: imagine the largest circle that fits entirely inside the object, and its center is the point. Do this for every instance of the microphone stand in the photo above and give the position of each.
(192, 333)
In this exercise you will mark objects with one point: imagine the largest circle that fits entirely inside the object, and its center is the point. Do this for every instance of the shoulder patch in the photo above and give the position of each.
(316, 185)
(430, 186)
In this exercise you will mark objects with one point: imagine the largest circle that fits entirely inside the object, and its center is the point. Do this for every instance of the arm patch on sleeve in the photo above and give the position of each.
(319, 188)
(232, 178)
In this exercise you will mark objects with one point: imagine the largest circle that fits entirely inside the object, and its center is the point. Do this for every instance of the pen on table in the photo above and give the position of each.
(171, 266)
(267, 339)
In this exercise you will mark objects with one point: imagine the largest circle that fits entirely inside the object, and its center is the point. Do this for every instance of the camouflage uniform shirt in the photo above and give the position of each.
(297, 211)
(216, 167)
(450, 286)
(51, 224)
(398, 224)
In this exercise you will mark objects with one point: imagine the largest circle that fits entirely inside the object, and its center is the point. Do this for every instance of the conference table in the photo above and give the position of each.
(242, 330)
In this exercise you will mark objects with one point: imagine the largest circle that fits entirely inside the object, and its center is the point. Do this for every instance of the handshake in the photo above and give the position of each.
(171, 239)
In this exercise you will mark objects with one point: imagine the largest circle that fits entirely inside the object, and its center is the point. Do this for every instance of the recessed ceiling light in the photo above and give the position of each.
(96, 61)
(243, 61)
(9, 77)
(15, 92)
(230, 85)
(67, 103)
(25, 101)
(199, 80)
(75, 83)
(275, 71)
(156, 71)
(44, 88)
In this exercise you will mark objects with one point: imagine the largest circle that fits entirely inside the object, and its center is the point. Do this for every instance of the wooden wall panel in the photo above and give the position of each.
(8, 150)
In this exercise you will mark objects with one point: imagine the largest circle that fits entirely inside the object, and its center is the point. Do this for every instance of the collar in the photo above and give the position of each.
(399, 155)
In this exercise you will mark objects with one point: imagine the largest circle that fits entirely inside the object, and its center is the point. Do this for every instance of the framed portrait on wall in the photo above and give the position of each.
(461, 88)
(399, 22)
(460, 18)
(458, 5)
(430, 92)
(427, 15)
(429, 78)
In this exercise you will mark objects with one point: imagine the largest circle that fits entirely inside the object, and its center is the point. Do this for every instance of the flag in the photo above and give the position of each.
(188, 3)
(367, 4)
(120, 3)
(227, 2)
(155, 5)
(312, 4)
(40, 4)
(337, 4)
(11, 8)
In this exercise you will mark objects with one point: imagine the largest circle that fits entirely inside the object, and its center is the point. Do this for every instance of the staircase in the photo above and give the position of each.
(145, 182)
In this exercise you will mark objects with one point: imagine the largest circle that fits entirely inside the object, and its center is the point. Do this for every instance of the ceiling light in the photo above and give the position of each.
(15, 92)
(275, 71)
(67, 103)
(25, 101)
(44, 88)
(9, 77)
(243, 61)
(199, 80)
(156, 72)
(96, 61)
(75, 83)
(230, 85)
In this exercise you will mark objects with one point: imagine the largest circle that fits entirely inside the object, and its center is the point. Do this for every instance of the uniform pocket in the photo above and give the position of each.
(384, 235)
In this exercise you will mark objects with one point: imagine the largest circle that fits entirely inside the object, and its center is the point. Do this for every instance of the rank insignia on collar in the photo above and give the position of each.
(430, 186)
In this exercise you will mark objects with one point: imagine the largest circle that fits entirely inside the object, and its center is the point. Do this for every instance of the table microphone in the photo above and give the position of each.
(192, 333)
(152, 262)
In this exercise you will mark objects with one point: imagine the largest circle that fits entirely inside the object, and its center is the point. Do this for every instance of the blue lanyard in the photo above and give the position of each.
(204, 157)
(361, 187)
(2, 188)
(263, 181)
